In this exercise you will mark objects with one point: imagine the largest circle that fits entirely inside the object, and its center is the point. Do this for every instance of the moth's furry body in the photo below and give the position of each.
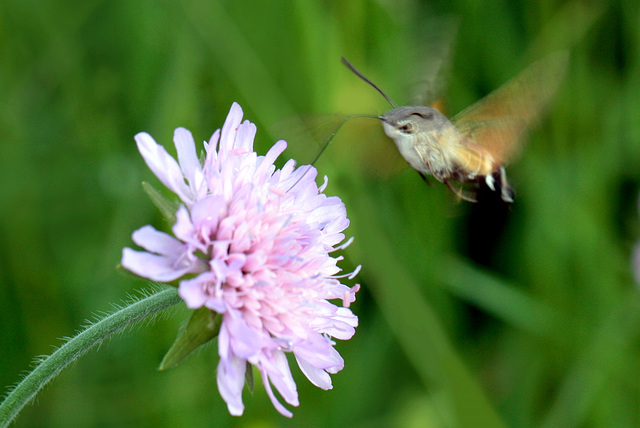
(432, 145)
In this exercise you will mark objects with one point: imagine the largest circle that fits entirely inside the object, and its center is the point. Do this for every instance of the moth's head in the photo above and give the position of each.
(406, 122)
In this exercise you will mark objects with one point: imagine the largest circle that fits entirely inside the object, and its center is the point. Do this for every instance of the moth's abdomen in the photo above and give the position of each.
(473, 161)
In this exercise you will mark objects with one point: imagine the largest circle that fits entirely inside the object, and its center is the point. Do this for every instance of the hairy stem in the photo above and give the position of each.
(91, 336)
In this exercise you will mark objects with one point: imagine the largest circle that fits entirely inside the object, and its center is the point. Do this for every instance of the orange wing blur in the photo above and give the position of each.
(499, 121)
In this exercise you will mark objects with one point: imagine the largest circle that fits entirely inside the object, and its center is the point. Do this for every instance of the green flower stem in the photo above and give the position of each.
(91, 336)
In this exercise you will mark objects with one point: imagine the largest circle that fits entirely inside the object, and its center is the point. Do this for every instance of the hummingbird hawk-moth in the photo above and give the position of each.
(473, 146)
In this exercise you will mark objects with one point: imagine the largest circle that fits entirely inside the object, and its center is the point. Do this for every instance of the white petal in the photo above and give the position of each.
(183, 227)
(244, 137)
(156, 242)
(324, 184)
(163, 166)
(230, 376)
(319, 352)
(279, 407)
(340, 325)
(316, 376)
(267, 160)
(188, 159)
(191, 292)
(208, 211)
(212, 147)
(245, 341)
(280, 375)
(229, 130)
(185, 230)
(154, 267)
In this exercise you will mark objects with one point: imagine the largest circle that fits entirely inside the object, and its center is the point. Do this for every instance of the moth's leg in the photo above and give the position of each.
(424, 177)
(506, 189)
(491, 182)
(459, 192)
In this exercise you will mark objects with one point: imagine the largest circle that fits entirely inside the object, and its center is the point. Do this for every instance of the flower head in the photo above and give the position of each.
(255, 242)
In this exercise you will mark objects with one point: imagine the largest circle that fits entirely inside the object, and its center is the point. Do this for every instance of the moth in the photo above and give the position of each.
(475, 145)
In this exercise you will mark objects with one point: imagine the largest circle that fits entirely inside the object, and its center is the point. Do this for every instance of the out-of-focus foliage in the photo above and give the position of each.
(531, 310)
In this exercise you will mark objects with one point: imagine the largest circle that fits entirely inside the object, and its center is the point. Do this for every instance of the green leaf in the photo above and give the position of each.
(248, 377)
(167, 207)
(203, 326)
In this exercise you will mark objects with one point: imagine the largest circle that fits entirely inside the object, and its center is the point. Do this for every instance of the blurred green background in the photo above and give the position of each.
(469, 314)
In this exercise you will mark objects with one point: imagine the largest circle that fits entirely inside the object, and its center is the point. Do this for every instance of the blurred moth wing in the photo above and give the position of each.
(499, 122)
(367, 149)
(430, 67)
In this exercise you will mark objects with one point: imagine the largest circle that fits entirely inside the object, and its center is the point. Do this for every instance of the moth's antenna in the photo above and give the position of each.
(360, 75)
(324, 147)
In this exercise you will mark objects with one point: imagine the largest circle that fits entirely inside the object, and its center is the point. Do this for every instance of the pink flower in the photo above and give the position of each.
(256, 243)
